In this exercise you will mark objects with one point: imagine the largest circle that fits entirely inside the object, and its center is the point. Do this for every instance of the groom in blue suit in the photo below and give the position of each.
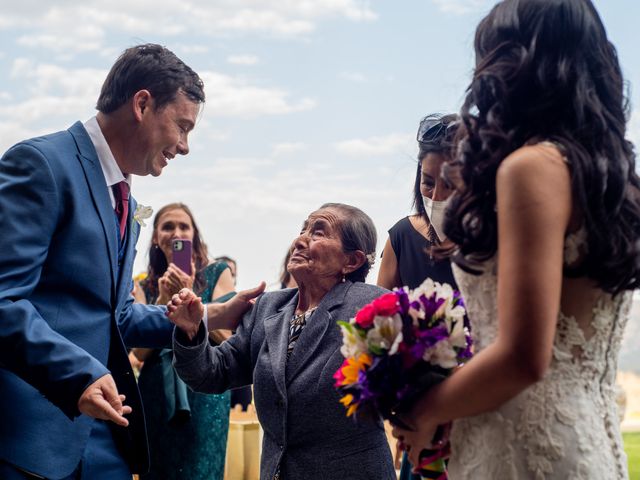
(69, 404)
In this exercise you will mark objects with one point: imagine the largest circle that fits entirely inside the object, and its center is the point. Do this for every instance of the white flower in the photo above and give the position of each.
(444, 290)
(458, 336)
(386, 333)
(352, 343)
(426, 288)
(454, 313)
(442, 354)
(454, 321)
(142, 213)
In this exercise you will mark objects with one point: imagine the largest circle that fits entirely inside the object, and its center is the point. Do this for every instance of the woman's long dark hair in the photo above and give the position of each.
(545, 70)
(158, 262)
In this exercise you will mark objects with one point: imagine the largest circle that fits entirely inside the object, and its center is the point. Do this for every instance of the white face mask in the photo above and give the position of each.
(435, 212)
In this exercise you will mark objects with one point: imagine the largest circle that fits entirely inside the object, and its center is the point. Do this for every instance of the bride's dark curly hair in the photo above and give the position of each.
(545, 70)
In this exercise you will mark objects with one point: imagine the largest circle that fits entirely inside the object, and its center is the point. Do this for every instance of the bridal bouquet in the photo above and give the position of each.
(396, 348)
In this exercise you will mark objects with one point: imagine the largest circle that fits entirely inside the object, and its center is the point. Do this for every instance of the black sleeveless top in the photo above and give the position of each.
(414, 264)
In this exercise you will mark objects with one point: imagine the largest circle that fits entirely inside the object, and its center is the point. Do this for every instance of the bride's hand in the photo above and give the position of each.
(420, 437)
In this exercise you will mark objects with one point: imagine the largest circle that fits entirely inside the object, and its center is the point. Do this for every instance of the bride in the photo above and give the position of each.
(547, 220)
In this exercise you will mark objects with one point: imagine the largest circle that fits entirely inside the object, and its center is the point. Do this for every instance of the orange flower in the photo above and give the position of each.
(353, 366)
(347, 401)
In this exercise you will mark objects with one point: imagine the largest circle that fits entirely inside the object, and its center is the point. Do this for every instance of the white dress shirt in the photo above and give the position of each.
(110, 169)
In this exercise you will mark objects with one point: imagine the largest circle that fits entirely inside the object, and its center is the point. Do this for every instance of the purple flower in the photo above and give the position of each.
(430, 305)
(426, 339)
(403, 300)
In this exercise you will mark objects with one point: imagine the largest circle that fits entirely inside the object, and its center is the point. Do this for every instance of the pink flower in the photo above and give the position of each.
(365, 315)
(386, 305)
(339, 376)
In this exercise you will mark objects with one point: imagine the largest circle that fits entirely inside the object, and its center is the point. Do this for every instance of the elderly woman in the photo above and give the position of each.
(288, 346)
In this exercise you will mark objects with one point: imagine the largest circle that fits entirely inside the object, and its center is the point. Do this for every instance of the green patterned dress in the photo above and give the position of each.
(187, 430)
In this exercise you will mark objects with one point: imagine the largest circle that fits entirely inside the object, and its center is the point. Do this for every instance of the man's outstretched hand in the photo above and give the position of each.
(186, 310)
(101, 400)
(228, 315)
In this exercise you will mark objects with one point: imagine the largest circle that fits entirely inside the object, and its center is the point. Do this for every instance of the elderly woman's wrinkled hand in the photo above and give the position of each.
(185, 310)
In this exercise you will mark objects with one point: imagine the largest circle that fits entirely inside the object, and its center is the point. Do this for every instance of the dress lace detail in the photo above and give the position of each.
(563, 427)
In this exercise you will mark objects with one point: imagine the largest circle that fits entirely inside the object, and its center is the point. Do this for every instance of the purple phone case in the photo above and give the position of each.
(182, 255)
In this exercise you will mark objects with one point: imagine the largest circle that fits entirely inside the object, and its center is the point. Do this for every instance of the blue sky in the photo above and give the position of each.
(308, 101)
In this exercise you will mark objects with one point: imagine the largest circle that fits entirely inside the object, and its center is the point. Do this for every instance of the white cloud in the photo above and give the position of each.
(355, 77)
(44, 78)
(191, 49)
(235, 97)
(287, 148)
(56, 94)
(265, 22)
(462, 7)
(85, 38)
(273, 196)
(391, 144)
(70, 27)
(52, 97)
(13, 132)
(247, 60)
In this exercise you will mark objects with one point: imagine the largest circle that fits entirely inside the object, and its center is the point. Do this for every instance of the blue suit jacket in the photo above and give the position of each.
(66, 312)
(306, 429)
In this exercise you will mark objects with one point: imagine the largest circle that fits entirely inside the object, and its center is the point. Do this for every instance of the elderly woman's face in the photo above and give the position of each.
(317, 252)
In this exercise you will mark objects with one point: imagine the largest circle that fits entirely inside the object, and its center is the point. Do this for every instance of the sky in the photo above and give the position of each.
(308, 101)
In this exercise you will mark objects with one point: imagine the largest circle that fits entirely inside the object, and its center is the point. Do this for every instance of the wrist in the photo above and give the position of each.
(205, 318)
(192, 332)
(423, 411)
(162, 300)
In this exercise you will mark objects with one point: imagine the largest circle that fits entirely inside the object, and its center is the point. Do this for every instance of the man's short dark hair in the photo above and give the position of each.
(149, 67)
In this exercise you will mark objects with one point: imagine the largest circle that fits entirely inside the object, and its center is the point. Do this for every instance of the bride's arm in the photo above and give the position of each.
(534, 208)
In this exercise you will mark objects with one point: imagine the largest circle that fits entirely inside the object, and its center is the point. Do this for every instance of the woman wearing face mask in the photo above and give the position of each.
(407, 259)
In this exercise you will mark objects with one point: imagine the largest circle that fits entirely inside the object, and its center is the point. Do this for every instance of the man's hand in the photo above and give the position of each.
(101, 400)
(185, 310)
(227, 315)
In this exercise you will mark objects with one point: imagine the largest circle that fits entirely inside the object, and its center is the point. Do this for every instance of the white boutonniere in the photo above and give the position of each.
(141, 214)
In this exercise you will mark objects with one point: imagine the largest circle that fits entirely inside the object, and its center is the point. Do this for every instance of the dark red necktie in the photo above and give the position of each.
(121, 191)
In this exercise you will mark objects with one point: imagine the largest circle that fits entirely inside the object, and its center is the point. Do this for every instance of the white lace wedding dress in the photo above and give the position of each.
(563, 427)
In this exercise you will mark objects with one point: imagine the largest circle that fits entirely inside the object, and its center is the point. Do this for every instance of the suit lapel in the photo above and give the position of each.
(276, 329)
(97, 184)
(320, 324)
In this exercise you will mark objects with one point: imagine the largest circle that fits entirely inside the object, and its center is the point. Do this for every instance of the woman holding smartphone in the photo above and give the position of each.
(187, 430)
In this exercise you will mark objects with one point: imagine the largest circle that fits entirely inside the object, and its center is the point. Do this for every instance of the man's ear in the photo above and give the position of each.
(142, 102)
(354, 261)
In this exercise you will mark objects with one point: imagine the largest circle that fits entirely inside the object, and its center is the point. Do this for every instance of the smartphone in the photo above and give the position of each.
(182, 254)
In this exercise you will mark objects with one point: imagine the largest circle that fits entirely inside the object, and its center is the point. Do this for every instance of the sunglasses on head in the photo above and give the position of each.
(432, 130)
